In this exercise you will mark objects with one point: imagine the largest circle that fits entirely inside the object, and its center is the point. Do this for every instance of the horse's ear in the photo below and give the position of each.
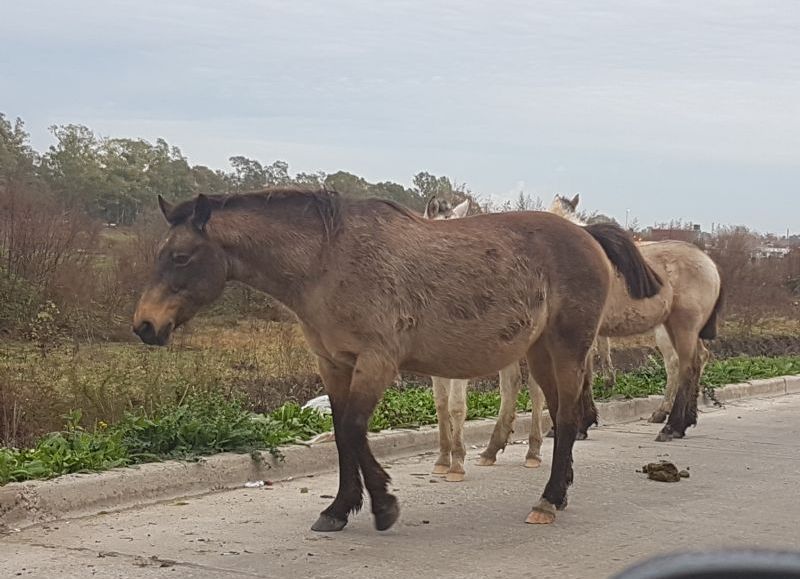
(432, 208)
(166, 208)
(461, 209)
(574, 201)
(202, 212)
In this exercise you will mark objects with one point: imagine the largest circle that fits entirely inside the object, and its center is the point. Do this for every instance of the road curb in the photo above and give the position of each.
(30, 503)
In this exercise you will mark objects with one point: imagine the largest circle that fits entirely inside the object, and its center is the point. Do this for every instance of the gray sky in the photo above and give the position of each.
(673, 109)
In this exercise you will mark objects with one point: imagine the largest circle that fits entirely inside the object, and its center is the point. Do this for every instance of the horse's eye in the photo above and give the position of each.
(181, 259)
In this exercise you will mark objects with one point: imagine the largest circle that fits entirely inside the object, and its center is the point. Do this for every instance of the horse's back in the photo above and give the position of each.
(693, 275)
(490, 284)
(689, 268)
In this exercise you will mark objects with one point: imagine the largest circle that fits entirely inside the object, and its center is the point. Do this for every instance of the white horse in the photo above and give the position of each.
(693, 275)
(681, 316)
(451, 399)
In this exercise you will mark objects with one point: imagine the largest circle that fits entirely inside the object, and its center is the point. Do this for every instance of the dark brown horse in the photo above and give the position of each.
(378, 289)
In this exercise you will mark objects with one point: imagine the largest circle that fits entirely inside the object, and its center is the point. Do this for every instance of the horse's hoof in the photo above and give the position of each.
(328, 524)
(440, 469)
(550, 434)
(581, 436)
(667, 434)
(388, 515)
(542, 514)
(658, 417)
(486, 461)
(563, 505)
(454, 477)
(534, 462)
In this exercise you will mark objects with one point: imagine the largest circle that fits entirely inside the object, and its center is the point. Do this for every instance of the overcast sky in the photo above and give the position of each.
(673, 109)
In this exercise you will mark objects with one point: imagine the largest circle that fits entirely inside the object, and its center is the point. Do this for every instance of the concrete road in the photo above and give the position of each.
(744, 488)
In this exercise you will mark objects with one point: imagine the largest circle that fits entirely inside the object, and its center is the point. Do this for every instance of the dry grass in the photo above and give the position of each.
(266, 362)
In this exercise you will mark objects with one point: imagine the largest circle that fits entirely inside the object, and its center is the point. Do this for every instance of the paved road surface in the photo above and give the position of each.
(744, 489)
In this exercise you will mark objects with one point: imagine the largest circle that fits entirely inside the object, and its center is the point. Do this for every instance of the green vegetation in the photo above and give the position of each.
(206, 423)
(200, 425)
(651, 377)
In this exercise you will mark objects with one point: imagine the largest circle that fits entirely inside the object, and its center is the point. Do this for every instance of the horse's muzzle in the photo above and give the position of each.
(147, 332)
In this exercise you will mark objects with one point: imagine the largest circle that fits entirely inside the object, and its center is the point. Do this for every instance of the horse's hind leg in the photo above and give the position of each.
(510, 386)
(672, 364)
(349, 497)
(441, 395)
(458, 415)
(684, 409)
(372, 374)
(534, 457)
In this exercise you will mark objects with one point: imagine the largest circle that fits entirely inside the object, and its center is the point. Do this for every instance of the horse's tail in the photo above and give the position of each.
(709, 331)
(640, 278)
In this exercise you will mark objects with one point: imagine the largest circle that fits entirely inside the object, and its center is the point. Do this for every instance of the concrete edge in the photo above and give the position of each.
(70, 496)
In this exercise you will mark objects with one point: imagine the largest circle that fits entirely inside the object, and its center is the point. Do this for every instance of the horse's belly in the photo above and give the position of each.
(464, 367)
(470, 354)
(637, 318)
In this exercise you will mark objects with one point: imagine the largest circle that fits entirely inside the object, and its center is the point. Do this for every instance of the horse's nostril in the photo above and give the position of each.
(145, 331)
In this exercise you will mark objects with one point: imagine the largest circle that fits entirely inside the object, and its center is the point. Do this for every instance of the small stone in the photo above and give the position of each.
(303, 490)
(684, 473)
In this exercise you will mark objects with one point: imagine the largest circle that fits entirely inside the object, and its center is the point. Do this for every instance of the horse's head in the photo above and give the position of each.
(441, 209)
(566, 208)
(190, 272)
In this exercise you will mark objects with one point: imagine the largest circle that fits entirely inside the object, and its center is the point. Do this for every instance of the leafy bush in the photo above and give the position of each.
(208, 422)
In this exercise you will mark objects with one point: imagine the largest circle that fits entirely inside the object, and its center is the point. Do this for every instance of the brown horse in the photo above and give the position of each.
(378, 289)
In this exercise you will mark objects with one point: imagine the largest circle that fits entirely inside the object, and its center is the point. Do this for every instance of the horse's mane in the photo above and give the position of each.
(328, 203)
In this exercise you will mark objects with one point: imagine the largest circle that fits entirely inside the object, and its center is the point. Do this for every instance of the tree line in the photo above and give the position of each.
(117, 179)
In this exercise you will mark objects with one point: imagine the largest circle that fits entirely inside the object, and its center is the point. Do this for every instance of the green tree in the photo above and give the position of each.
(277, 174)
(348, 184)
(73, 166)
(312, 180)
(428, 185)
(248, 174)
(18, 160)
(208, 181)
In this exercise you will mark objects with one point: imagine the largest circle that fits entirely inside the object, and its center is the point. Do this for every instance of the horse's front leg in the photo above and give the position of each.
(607, 370)
(510, 385)
(441, 396)
(684, 408)
(672, 365)
(458, 415)
(372, 374)
(349, 497)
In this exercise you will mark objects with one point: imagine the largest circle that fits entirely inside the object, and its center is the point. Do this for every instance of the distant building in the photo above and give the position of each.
(767, 252)
(690, 234)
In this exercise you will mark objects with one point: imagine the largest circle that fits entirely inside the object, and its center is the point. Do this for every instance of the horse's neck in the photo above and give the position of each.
(278, 259)
(575, 219)
(568, 215)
